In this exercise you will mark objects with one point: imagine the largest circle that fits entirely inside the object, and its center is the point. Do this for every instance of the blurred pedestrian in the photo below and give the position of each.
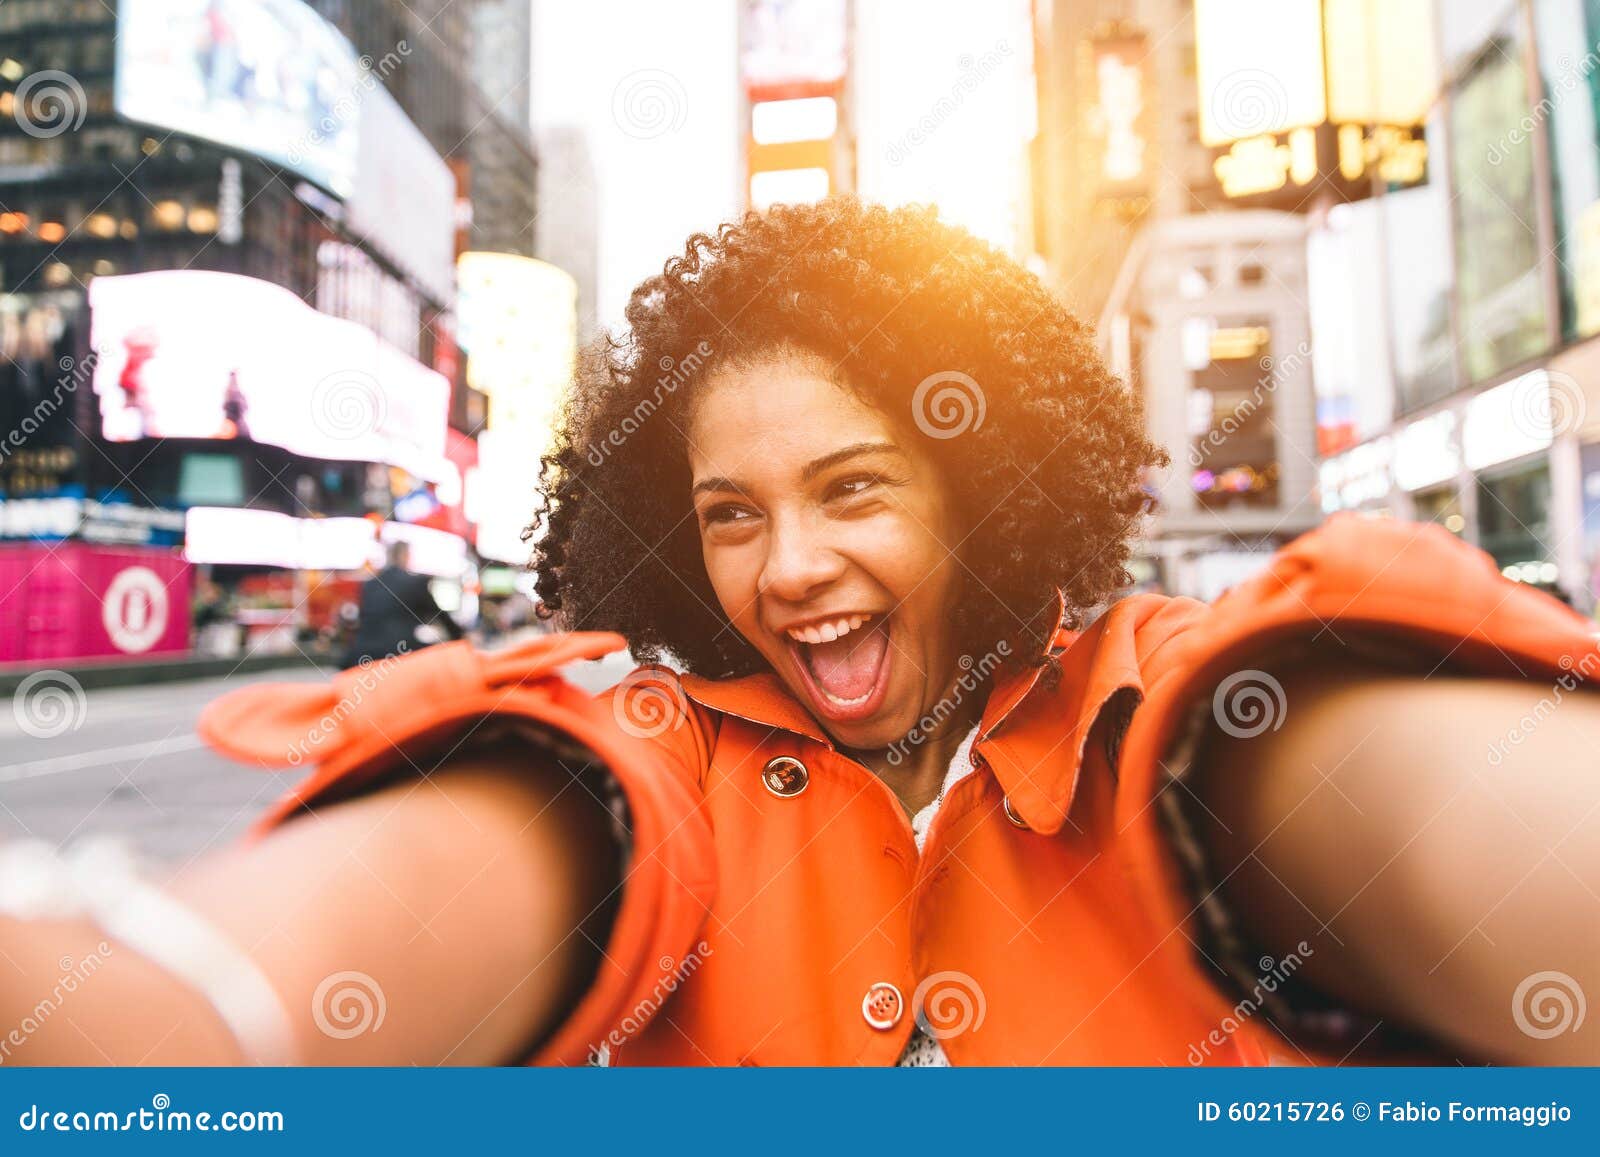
(394, 603)
(216, 632)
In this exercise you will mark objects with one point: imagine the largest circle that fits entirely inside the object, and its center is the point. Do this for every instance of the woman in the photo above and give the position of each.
(918, 795)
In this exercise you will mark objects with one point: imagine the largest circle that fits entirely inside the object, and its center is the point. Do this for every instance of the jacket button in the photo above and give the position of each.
(1011, 814)
(883, 1006)
(785, 776)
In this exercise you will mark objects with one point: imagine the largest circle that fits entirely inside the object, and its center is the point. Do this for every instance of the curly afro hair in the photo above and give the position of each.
(960, 346)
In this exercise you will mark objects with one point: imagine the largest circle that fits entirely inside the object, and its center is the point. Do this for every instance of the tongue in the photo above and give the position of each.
(848, 667)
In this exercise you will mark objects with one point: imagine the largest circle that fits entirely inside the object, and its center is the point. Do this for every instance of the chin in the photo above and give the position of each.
(882, 731)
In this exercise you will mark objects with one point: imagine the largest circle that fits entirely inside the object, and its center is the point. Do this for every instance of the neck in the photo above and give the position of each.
(915, 767)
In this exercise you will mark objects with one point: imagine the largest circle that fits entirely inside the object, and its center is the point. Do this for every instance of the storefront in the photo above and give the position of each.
(1514, 519)
(91, 580)
(1499, 468)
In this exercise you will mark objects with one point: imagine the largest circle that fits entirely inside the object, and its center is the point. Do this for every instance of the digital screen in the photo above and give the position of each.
(211, 480)
(268, 77)
(194, 354)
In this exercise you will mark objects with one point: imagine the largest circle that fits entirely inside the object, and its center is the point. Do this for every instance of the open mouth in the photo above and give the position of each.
(844, 662)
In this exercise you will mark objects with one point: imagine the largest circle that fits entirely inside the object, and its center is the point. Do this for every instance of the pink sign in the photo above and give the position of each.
(75, 600)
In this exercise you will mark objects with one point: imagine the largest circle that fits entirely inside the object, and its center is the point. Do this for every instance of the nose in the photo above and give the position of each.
(800, 560)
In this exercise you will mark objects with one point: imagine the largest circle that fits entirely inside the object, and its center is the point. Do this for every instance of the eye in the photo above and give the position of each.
(853, 485)
(724, 513)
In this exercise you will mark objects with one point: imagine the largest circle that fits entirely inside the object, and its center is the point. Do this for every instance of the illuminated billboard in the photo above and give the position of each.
(517, 320)
(192, 354)
(405, 195)
(1117, 139)
(268, 77)
(234, 537)
(1303, 96)
(790, 46)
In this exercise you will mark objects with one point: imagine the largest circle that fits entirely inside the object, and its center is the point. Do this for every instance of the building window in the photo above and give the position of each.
(1514, 516)
(1418, 263)
(1500, 293)
(1570, 87)
(1234, 455)
(1442, 504)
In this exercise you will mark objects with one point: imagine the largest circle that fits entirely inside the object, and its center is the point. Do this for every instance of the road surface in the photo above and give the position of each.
(125, 761)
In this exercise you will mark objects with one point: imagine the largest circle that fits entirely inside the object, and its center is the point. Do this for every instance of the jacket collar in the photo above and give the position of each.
(1032, 736)
(761, 698)
(1036, 742)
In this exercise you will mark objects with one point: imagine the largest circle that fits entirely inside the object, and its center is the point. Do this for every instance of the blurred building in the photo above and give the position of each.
(795, 100)
(228, 235)
(502, 58)
(1393, 210)
(569, 216)
(1399, 200)
(1462, 384)
(899, 101)
(1201, 304)
(465, 83)
(519, 317)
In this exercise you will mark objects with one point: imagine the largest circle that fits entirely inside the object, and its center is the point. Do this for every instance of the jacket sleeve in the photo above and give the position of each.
(1411, 595)
(385, 718)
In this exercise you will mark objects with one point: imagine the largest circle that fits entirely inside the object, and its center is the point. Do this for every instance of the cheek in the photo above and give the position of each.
(733, 571)
(916, 545)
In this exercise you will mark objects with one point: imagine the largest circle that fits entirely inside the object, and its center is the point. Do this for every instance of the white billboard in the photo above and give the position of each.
(193, 354)
(268, 77)
(238, 537)
(405, 196)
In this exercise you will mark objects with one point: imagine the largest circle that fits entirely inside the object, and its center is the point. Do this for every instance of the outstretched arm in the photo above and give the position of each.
(1436, 841)
(471, 904)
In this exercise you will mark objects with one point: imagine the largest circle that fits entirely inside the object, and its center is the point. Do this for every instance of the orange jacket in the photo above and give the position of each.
(776, 910)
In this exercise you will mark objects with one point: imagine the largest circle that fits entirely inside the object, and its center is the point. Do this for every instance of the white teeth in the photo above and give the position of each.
(827, 632)
(856, 702)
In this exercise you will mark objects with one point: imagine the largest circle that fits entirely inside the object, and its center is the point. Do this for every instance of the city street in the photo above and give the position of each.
(1113, 488)
(133, 767)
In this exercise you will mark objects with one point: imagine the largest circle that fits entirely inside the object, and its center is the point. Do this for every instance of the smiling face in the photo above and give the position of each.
(828, 537)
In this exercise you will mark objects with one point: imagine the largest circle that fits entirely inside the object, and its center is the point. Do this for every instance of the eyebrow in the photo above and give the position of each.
(811, 469)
